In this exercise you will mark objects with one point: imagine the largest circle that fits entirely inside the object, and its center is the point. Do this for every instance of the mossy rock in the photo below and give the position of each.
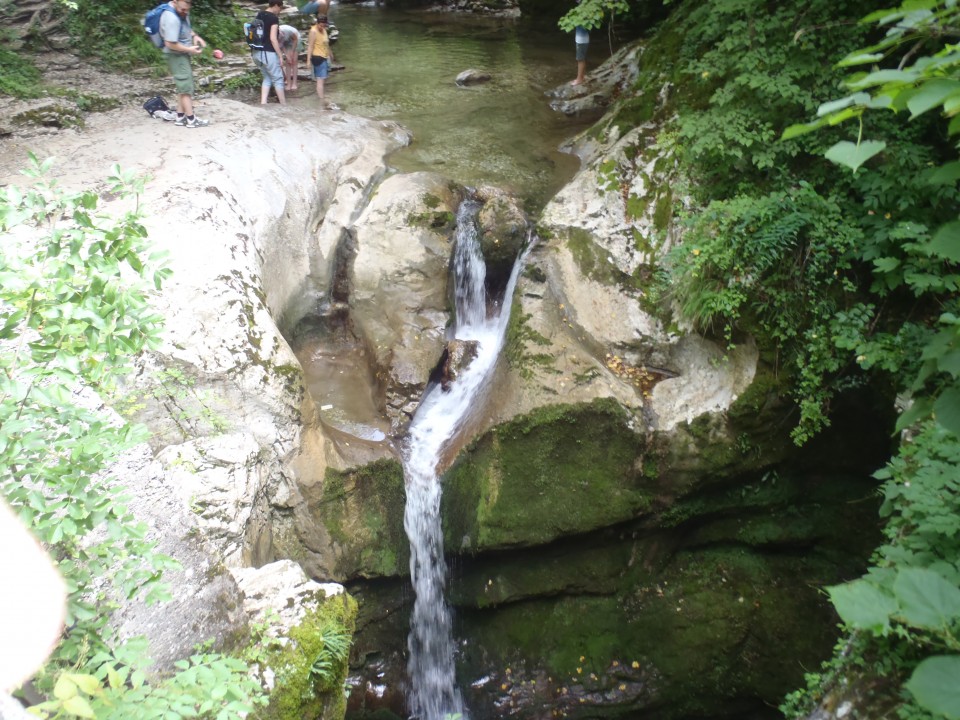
(362, 510)
(503, 233)
(562, 568)
(560, 470)
(300, 692)
(714, 632)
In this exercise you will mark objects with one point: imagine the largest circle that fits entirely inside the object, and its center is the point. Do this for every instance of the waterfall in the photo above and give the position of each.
(434, 694)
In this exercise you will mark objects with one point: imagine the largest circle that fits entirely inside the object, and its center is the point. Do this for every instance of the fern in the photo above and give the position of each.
(333, 654)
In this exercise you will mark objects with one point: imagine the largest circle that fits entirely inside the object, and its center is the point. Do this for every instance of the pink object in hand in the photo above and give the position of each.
(218, 54)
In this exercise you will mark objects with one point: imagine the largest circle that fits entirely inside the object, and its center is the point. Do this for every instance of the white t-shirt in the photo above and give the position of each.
(581, 36)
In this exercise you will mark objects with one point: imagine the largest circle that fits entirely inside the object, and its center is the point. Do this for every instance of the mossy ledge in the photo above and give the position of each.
(559, 470)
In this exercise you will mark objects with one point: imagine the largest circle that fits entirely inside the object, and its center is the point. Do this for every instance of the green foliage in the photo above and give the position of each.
(835, 275)
(121, 43)
(843, 277)
(590, 14)
(118, 687)
(18, 77)
(73, 312)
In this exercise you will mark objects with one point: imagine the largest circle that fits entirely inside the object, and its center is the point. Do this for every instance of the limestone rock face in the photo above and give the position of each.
(237, 210)
(398, 291)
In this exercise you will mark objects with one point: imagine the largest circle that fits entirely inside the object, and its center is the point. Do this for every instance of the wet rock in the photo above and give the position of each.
(472, 77)
(457, 357)
(504, 231)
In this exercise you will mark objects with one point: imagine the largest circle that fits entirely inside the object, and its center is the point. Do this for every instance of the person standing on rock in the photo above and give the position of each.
(318, 54)
(289, 46)
(582, 39)
(270, 58)
(179, 43)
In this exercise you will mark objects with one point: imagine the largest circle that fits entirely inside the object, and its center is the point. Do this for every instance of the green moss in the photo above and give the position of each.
(298, 694)
(663, 213)
(438, 220)
(635, 111)
(568, 570)
(362, 510)
(535, 273)
(764, 389)
(592, 260)
(432, 201)
(706, 630)
(517, 343)
(59, 116)
(560, 470)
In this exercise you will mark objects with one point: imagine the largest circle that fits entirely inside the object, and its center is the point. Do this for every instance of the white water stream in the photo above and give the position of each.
(441, 415)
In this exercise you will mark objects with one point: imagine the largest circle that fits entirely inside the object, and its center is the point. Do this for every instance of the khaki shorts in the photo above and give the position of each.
(179, 65)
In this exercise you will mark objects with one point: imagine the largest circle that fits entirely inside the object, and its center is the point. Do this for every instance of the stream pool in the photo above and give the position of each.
(401, 65)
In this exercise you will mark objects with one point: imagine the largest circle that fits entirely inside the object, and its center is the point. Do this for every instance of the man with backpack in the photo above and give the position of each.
(179, 43)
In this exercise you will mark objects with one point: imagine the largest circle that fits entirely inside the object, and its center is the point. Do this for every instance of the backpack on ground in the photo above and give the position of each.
(254, 32)
(151, 23)
(158, 108)
(156, 104)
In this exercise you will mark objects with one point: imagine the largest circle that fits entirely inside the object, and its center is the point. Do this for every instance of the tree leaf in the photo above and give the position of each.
(862, 604)
(801, 129)
(886, 264)
(926, 598)
(833, 106)
(87, 683)
(945, 174)
(946, 241)
(65, 688)
(79, 707)
(881, 77)
(931, 94)
(935, 687)
(947, 410)
(949, 362)
(860, 58)
(852, 155)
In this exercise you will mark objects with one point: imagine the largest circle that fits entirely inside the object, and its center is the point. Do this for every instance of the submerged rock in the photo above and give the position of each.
(472, 77)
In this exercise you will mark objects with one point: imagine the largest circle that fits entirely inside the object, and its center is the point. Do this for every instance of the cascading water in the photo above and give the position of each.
(434, 694)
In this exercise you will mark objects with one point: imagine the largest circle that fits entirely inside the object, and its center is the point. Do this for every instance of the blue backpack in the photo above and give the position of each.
(151, 23)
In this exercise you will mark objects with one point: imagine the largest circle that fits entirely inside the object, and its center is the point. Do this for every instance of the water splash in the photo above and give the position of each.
(434, 694)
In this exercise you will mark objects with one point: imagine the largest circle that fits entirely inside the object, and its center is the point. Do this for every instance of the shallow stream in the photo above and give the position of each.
(401, 65)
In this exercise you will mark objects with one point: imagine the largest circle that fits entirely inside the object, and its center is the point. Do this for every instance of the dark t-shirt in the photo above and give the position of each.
(269, 20)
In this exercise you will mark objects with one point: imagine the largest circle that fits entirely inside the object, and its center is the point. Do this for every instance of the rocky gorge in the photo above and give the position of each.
(630, 530)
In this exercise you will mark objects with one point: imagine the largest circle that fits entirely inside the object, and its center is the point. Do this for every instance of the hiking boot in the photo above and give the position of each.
(196, 122)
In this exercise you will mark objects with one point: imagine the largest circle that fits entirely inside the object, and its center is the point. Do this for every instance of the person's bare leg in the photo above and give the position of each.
(264, 94)
(581, 71)
(291, 71)
(185, 105)
(281, 95)
(320, 90)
